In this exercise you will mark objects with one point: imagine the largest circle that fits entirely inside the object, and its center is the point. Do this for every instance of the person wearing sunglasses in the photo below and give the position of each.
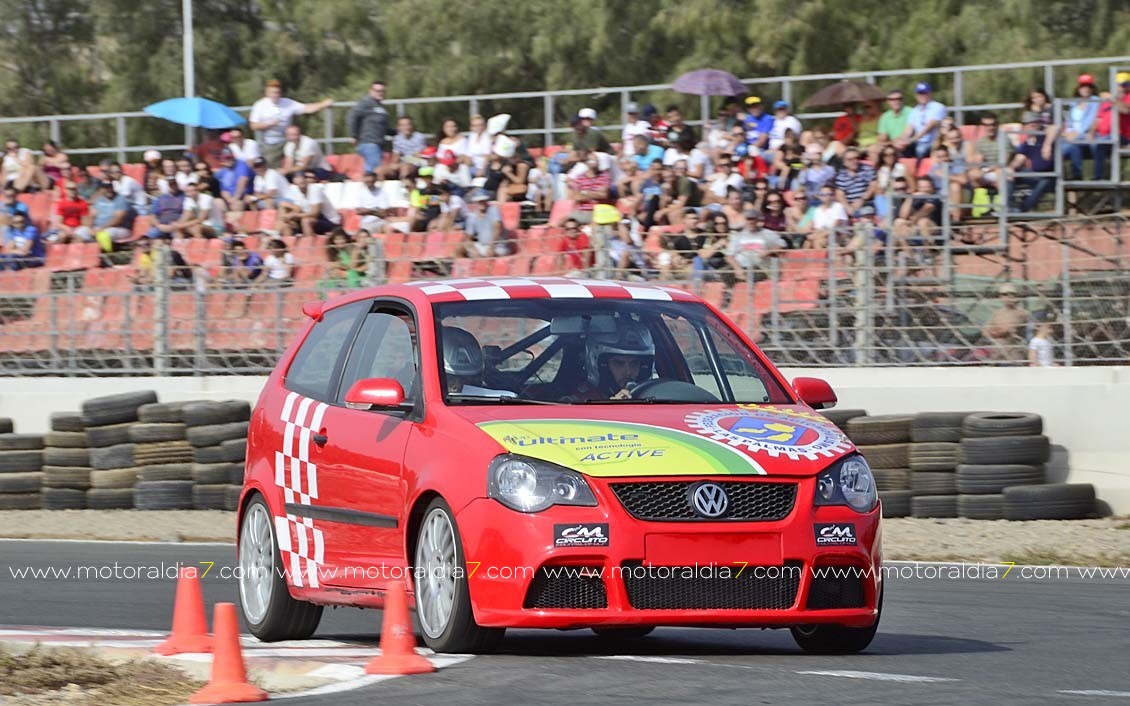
(894, 123)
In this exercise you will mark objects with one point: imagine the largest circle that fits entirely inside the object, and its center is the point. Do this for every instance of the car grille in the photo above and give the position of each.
(835, 591)
(565, 587)
(690, 588)
(750, 501)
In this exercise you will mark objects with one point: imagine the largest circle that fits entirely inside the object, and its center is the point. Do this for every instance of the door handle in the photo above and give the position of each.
(320, 439)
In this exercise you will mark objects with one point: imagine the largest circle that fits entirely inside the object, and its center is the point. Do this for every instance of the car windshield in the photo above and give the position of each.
(596, 351)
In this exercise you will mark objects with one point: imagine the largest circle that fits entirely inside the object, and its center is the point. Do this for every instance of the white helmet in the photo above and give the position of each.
(629, 338)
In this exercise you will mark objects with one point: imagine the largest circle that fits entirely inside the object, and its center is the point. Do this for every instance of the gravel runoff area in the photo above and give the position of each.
(1102, 542)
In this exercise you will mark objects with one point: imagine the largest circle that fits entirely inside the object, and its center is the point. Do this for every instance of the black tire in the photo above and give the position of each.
(144, 433)
(896, 503)
(67, 421)
(165, 472)
(891, 478)
(161, 413)
(989, 424)
(213, 473)
(21, 442)
(285, 618)
(210, 497)
(836, 639)
(882, 429)
(21, 461)
(115, 409)
(74, 477)
(981, 507)
(462, 634)
(933, 506)
(933, 483)
(1056, 501)
(208, 454)
(886, 455)
(934, 456)
(993, 479)
(840, 417)
(198, 414)
(231, 500)
(941, 434)
(234, 450)
(629, 633)
(111, 435)
(236, 472)
(117, 479)
(7, 426)
(215, 434)
(21, 482)
(117, 456)
(59, 456)
(65, 439)
(925, 423)
(109, 498)
(159, 452)
(21, 501)
(63, 499)
(1024, 450)
(163, 495)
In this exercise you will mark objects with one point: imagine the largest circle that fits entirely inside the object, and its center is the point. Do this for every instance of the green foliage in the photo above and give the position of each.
(70, 56)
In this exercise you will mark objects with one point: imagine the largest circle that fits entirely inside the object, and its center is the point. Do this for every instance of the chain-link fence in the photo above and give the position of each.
(878, 296)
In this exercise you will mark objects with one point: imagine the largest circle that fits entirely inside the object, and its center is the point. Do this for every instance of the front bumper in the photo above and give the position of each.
(669, 573)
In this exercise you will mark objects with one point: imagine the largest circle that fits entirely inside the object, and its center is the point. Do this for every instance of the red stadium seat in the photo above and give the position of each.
(549, 264)
(560, 211)
(268, 219)
(56, 257)
(399, 271)
(462, 267)
(511, 215)
(350, 220)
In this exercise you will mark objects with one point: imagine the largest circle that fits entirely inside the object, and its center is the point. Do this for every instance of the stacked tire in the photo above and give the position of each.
(163, 457)
(884, 442)
(217, 432)
(113, 471)
(935, 453)
(66, 463)
(21, 468)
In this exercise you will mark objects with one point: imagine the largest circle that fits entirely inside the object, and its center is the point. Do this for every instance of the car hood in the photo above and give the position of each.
(667, 440)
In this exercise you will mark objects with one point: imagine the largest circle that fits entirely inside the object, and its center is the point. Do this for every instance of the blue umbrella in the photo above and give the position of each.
(709, 82)
(197, 112)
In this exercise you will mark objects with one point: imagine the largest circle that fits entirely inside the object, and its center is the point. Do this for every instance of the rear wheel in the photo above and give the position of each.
(268, 608)
(836, 639)
(625, 633)
(443, 601)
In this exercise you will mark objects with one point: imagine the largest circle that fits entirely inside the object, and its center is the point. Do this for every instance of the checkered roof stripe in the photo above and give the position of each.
(476, 288)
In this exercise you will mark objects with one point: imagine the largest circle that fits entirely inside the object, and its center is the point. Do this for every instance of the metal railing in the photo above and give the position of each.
(557, 106)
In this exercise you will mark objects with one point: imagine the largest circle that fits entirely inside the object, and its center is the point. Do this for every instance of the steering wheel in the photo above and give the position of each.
(672, 390)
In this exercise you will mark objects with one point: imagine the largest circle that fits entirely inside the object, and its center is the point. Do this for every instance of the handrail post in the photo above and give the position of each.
(547, 137)
(959, 96)
(120, 124)
(328, 130)
(56, 133)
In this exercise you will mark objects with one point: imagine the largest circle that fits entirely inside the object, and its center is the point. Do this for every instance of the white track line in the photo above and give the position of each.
(875, 676)
(654, 660)
(1095, 692)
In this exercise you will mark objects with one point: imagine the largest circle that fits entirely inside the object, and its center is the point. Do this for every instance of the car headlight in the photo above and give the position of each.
(848, 482)
(529, 485)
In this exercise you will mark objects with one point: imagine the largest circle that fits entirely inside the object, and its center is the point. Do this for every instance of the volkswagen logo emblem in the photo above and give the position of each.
(710, 500)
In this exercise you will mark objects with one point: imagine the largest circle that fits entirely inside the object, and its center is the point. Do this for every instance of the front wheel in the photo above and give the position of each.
(836, 639)
(443, 601)
(269, 610)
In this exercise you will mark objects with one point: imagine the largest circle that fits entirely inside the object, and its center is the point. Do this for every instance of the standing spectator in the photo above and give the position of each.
(127, 186)
(272, 114)
(1006, 328)
(113, 217)
(1032, 155)
(1079, 130)
(18, 166)
(235, 178)
(23, 245)
(828, 218)
(306, 208)
(53, 166)
(894, 125)
(203, 213)
(72, 216)
(407, 144)
(278, 266)
(245, 150)
(267, 187)
(302, 153)
(575, 249)
(757, 124)
(373, 205)
(783, 121)
(633, 125)
(480, 144)
(368, 125)
(168, 213)
(855, 183)
(925, 118)
(1040, 353)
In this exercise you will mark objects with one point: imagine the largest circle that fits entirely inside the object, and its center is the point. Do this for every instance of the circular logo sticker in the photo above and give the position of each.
(771, 430)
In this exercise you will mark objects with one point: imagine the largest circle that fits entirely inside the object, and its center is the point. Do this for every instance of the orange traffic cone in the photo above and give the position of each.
(398, 644)
(228, 684)
(190, 626)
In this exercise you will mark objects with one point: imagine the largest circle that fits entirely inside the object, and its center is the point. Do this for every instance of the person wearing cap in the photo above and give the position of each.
(1006, 327)
(302, 153)
(272, 114)
(924, 119)
(235, 179)
(245, 149)
(757, 123)
(657, 126)
(1079, 128)
(783, 121)
(633, 125)
(894, 125)
(1118, 105)
(267, 187)
(1032, 155)
(482, 226)
(587, 138)
(368, 125)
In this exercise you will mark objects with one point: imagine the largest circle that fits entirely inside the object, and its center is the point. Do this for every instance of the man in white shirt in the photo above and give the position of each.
(724, 178)
(633, 126)
(243, 149)
(302, 153)
(782, 121)
(307, 208)
(199, 218)
(272, 114)
(127, 186)
(827, 218)
(372, 205)
(267, 188)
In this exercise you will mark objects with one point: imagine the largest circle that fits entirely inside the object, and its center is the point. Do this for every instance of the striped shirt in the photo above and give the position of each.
(854, 185)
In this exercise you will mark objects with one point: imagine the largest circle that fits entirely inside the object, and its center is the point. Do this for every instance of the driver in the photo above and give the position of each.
(463, 364)
(615, 362)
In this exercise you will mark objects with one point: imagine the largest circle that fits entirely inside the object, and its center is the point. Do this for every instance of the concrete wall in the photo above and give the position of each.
(1086, 410)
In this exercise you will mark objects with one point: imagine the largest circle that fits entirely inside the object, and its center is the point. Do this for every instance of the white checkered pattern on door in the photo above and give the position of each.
(300, 542)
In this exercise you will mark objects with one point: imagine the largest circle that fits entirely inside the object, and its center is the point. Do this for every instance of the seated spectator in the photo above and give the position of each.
(684, 150)
(407, 144)
(628, 182)
(207, 181)
(656, 125)
(586, 138)
(575, 248)
(241, 266)
(680, 248)
(894, 125)
(1080, 121)
(165, 172)
(54, 166)
(644, 152)
(302, 153)
(798, 218)
(424, 202)
(924, 120)
(867, 135)
(71, 220)
(919, 216)
(593, 186)
(734, 209)
(480, 145)
(625, 251)
(773, 217)
(984, 155)
(1033, 155)
(185, 173)
(236, 180)
(482, 225)
(12, 206)
(1007, 327)
(677, 129)
(453, 163)
(210, 149)
(678, 193)
(306, 209)
(245, 149)
(950, 177)
(267, 188)
(1040, 347)
(829, 218)
(128, 187)
(710, 262)
(359, 272)
(845, 128)
(790, 163)
(755, 194)
(783, 121)
(168, 213)
(722, 180)
(113, 217)
(87, 185)
(339, 255)
(889, 169)
(634, 125)
(373, 205)
(515, 169)
(1039, 105)
(203, 214)
(750, 246)
(278, 266)
(144, 274)
(757, 125)
(22, 246)
(854, 183)
(18, 166)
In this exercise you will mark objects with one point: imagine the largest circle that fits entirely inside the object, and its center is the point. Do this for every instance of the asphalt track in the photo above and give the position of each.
(942, 641)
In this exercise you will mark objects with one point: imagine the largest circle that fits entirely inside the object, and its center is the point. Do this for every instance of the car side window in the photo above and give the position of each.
(317, 364)
(385, 348)
(745, 380)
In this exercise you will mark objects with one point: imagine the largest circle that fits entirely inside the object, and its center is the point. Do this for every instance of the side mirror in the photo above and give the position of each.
(815, 393)
(376, 393)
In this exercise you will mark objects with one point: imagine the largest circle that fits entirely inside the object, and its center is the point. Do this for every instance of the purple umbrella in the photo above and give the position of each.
(709, 82)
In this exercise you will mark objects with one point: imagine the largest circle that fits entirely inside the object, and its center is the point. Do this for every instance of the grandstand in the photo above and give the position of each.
(890, 301)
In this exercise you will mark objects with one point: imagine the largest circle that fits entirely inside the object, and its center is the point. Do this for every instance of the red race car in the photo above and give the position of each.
(551, 453)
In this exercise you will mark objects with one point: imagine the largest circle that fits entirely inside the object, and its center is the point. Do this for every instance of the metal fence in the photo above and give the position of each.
(112, 134)
(890, 300)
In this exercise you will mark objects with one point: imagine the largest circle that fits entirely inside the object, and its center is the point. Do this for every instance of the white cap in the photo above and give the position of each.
(497, 123)
(504, 147)
(150, 155)
(586, 114)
